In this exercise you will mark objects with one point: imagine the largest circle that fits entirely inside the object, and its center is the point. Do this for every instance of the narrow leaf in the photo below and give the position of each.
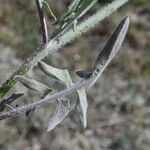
(34, 85)
(62, 75)
(84, 105)
(111, 48)
(48, 9)
(62, 110)
(114, 43)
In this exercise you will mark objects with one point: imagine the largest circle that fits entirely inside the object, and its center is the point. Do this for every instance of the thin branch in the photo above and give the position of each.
(41, 102)
(43, 22)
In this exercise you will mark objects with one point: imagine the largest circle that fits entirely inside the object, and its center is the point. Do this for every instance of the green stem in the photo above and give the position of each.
(55, 45)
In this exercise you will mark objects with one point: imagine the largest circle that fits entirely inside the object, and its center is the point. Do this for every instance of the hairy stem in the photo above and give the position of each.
(30, 106)
(54, 45)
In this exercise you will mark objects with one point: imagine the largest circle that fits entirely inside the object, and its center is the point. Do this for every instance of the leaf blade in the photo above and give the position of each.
(48, 9)
(59, 114)
(62, 75)
(34, 85)
(114, 43)
(84, 105)
(110, 49)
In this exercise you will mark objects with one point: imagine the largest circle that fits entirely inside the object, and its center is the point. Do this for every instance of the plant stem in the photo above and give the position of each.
(30, 106)
(43, 22)
(54, 45)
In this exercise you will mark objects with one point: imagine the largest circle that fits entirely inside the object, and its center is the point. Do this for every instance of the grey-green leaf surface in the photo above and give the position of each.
(34, 85)
(106, 55)
(62, 109)
(111, 48)
(62, 75)
(84, 105)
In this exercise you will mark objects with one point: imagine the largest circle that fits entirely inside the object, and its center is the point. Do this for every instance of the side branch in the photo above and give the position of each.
(30, 106)
(43, 22)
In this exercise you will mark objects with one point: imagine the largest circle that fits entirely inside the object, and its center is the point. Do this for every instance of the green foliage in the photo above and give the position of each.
(48, 9)
(34, 85)
(66, 103)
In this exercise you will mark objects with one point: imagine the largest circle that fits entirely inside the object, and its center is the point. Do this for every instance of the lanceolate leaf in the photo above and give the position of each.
(62, 75)
(48, 9)
(34, 85)
(84, 105)
(106, 55)
(111, 48)
(114, 43)
(62, 109)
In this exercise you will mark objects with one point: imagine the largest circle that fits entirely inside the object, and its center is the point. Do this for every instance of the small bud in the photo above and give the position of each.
(83, 73)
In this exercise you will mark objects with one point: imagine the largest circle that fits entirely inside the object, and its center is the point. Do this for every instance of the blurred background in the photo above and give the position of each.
(119, 103)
